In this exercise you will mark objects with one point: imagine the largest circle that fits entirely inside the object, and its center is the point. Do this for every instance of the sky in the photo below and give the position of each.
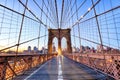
(45, 11)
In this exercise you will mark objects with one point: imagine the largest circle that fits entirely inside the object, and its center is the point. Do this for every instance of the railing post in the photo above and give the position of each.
(3, 67)
(29, 62)
(116, 75)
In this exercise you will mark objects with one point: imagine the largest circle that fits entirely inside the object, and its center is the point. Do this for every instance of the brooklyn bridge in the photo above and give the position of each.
(59, 39)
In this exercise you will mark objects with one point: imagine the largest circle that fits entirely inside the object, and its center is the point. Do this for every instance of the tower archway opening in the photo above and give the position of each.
(55, 45)
(59, 33)
(64, 45)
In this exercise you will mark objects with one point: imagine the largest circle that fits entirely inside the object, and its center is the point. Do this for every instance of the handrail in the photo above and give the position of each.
(22, 62)
(106, 63)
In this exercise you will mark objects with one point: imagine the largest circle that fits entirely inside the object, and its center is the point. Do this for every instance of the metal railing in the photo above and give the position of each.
(105, 63)
(12, 65)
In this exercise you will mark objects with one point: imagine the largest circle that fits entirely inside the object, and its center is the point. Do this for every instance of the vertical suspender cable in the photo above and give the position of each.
(115, 26)
(21, 26)
(78, 23)
(40, 28)
(44, 42)
(10, 24)
(67, 10)
(39, 36)
(57, 14)
(2, 19)
(61, 20)
(98, 26)
(106, 22)
(19, 37)
(73, 28)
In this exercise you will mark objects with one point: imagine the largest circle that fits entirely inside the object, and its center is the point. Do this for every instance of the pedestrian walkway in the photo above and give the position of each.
(62, 68)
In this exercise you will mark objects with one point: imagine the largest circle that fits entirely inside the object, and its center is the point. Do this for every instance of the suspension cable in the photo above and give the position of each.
(21, 27)
(89, 40)
(22, 43)
(69, 10)
(48, 11)
(76, 9)
(62, 13)
(57, 13)
(78, 23)
(115, 26)
(98, 26)
(2, 17)
(33, 14)
(85, 14)
(43, 11)
(73, 28)
(52, 12)
(66, 10)
(18, 12)
(40, 27)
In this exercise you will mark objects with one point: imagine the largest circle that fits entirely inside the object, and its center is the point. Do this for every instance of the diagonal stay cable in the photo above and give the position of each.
(43, 11)
(100, 14)
(77, 10)
(51, 7)
(22, 43)
(18, 12)
(89, 40)
(85, 14)
(33, 14)
(48, 12)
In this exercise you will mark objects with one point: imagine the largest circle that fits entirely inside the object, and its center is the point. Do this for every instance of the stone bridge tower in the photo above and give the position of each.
(59, 34)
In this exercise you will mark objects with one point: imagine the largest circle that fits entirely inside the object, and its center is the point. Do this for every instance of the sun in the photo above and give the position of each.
(59, 51)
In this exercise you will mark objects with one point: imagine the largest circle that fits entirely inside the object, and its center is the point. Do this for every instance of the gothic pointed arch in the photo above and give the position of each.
(59, 34)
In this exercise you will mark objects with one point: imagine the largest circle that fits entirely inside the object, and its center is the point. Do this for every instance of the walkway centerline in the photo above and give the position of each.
(60, 77)
(62, 68)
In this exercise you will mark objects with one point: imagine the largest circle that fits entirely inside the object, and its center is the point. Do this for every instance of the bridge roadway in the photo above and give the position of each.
(62, 68)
